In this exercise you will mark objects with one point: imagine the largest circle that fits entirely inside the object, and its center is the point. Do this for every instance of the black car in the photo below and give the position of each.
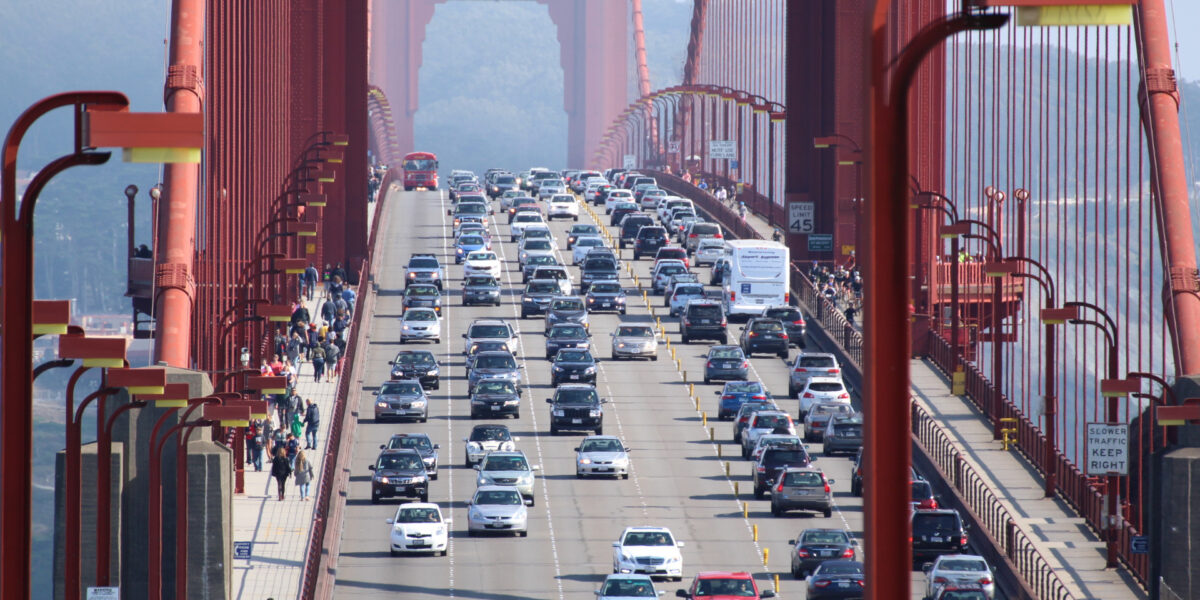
(630, 226)
(816, 546)
(481, 289)
(606, 295)
(419, 442)
(566, 335)
(937, 532)
(537, 296)
(573, 365)
(578, 230)
(501, 184)
(793, 321)
(399, 474)
(649, 239)
(765, 335)
(621, 209)
(423, 294)
(492, 366)
(495, 398)
(533, 262)
(576, 407)
(597, 267)
(703, 319)
(837, 579)
(485, 346)
(417, 364)
(772, 462)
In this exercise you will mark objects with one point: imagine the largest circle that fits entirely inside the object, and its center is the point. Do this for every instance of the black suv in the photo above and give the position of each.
(573, 364)
(937, 532)
(773, 462)
(597, 267)
(419, 442)
(649, 239)
(703, 319)
(576, 407)
(399, 474)
(630, 226)
(416, 364)
(764, 334)
(495, 398)
(792, 319)
(537, 296)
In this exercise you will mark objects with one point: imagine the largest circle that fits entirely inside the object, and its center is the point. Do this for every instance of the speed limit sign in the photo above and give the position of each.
(801, 217)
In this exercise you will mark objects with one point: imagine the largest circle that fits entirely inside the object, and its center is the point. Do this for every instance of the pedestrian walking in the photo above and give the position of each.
(332, 354)
(294, 346)
(318, 360)
(328, 308)
(312, 421)
(304, 475)
(254, 444)
(310, 280)
(296, 425)
(339, 342)
(278, 440)
(281, 469)
(292, 446)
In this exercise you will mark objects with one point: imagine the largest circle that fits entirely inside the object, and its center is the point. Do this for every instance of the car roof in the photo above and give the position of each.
(724, 575)
(493, 488)
(489, 322)
(825, 379)
(573, 386)
(602, 437)
(410, 435)
(723, 347)
(390, 451)
(504, 453)
(646, 528)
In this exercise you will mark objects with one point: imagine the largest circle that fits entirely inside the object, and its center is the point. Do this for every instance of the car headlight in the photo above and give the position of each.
(383, 480)
(406, 326)
(556, 368)
(418, 403)
(508, 446)
(595, 412)
(511, 402)
(435, 275)
(412, 275)
(458, 250)
(558, 412)
(473, 446)
(433, 371)
(381, 404)
(589, 371)
(525, 479)
(673, 559)
(475, 514)
(621, 344)
(591, 300)
(620, 299)
(483, 481)
(585, 461)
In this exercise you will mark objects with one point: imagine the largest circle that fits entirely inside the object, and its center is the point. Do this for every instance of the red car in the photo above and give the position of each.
(673, 252)
(723, 585)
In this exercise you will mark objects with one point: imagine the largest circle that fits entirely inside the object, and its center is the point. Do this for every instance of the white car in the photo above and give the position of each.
(764, 422)
(506, 200)
(420, 324)
(615, 196)
(491, 330)
(563, 205)
(482, 262)
(649, 550)
(823, 389)
(549, 188)
(592, 189)
(521, 221)
(488, 438)
(959, 569)
(584, 245)
(601, 455)
(651, 198)
(773, 440)
(709, 251)
(557, 273)
(531, 247)
(497, 508)
(666, 205)
(419, 527)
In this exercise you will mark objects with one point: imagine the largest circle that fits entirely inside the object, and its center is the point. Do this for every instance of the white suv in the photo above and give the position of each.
(491, 330)
(649, 550)
(563, 205)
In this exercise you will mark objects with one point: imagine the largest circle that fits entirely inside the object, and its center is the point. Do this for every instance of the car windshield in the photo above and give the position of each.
(527, 218)
(739, 588)
(415, 360)
(689, 290)
(481, 280)
(470, 240)
(499, 498)
(576, 396)
(599, 264)
(651, 232)
(582, 229)
(481, 256)
(825, 386)
(847, 430)
(810, 362)
(634, 331)
(567, 304)
(505, 179)
(777, 457)
(535, 244)
(713, 245)
(668, 270)
(676, 253)
(415, 442)
(709, 311)
(822, 537)
(628, 588)
(962, 564)
(784, 314)
(921, 490)
(767, 326)
(846, 568)
(935, 523)
(399, 462)
(602, 445)
(505, 463)
(542, 287)
(605, 287)
(420, 315)
(489, 331)
(589, 242)
(648, 538)
(536, 233)
(705, 229)
(743, 387)
(571, 331)
(574, 356)
(418, 515)
(829, 408)
(563, 199)
(423, 263)
(963, 595)
(488, 346)
(495, 361)
(727, 352)
(471, 209)
(420, 164)
(421, 290)
(495, 387)
(490, 434)
(400, 388)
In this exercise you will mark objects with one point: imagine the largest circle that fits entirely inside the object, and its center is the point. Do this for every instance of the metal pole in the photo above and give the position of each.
(955, 331)
(73, 504)
(104, 490)
(1050, 457)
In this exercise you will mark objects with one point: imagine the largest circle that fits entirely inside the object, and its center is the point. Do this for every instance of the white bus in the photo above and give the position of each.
(759, 276)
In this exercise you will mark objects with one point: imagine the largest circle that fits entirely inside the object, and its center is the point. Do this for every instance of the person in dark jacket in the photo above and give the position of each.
(318, 360)
(328, 308)
(332, 354)
(281, 469)
(310, 280)
(310, 340)
(312, 420)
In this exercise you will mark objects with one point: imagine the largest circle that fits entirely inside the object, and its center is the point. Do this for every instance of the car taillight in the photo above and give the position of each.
(822, 583)
(801, 370)
(848, 553)
(962, 541)
(985, 581)
(727, 397)
(843, 396)
(784, 335)
(799, 323)
(940, 579)
(758, 397)
(827, 488)
(780, 487)
(710, 364)
(861, 583)
(693, 235)
(760, 469)
(719, 236)
(732, 295)
(787, 297)
(745, 364)
(928, 504)
(801, 552)
(753, 334)
(723, 322)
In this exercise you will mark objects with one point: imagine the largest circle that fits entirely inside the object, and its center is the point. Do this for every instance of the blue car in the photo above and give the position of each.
(467, 244)
(737, 393)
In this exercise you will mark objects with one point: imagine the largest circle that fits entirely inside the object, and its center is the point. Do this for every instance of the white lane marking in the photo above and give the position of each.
(449, 395)
(537, 441)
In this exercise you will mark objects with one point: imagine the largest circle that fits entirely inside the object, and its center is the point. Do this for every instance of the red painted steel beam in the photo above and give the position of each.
(175, 240)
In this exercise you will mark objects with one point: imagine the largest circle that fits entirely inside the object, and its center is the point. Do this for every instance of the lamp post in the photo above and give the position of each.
(992, 240)
(936, 201)
(1049, 317)
(838, 141)
(888, 347)
(1108, 327)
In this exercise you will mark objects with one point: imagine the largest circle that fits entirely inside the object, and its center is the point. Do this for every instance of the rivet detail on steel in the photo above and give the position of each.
(1160, 80)
(183, 77)
(174, 275)
(1185, 279)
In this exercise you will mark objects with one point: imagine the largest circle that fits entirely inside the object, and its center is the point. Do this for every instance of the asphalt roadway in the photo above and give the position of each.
(678, 477)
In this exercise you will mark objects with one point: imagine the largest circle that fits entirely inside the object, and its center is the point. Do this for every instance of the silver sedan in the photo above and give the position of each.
(632, 341)
(602, 455)
(497, 508)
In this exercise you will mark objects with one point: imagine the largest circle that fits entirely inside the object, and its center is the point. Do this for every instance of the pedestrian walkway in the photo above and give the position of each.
(279, 531)
(1056, 531)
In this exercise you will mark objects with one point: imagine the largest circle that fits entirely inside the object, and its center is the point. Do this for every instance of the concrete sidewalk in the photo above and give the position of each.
(1057, 531)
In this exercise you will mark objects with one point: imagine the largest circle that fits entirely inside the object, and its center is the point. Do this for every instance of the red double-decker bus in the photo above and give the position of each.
(420, 171)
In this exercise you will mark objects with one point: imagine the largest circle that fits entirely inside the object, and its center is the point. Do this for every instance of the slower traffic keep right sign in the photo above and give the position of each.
(1107, 449)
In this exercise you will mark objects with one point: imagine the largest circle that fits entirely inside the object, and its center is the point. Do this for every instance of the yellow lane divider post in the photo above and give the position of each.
(672, 351)
(704, 419)
(777, 583)
(745, 510)
(766, 553)
(692, 390)
(755, 532)
(697, 403)
(735, 489)
(719, 446)
(712, 434)
(727, 468)
(684, 376)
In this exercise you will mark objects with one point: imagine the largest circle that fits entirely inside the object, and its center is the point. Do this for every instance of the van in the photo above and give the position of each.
(758, 277)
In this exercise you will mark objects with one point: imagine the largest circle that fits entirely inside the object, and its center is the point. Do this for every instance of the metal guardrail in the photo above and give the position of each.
(1013, 542)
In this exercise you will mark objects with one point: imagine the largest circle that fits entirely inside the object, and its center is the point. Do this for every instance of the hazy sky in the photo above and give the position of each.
(1184, 16)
